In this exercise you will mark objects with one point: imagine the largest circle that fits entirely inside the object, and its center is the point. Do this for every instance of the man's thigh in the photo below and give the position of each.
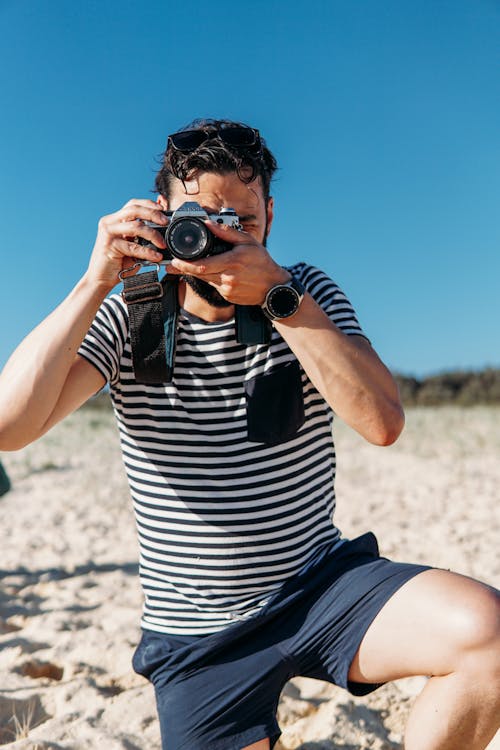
(426, 627)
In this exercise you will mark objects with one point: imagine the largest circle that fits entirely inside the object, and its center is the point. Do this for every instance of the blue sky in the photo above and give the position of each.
(383, 115)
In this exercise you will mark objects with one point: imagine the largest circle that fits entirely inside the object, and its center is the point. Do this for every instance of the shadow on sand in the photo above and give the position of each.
(17, 598)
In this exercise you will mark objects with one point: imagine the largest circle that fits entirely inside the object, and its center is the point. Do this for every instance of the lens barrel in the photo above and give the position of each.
(188, 238)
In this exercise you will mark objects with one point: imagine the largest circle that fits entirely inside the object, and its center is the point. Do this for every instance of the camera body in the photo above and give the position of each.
(186, 235)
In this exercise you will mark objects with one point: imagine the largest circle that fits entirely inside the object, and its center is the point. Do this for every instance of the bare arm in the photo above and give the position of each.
(45, 379)
(345, 369)
(33, 380)
(347, 372)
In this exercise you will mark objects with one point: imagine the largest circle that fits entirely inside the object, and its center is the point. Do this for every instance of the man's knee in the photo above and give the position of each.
(477, 631)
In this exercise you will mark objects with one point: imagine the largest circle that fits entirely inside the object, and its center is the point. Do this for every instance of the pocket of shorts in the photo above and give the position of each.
(275, 405)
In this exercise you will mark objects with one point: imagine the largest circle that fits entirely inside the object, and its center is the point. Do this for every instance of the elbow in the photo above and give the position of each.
(389, 427)
(386, 438)
(11, 445)
(12, 441)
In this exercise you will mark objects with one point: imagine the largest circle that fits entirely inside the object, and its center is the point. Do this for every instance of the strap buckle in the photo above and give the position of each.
(131, 293)
(131, 297)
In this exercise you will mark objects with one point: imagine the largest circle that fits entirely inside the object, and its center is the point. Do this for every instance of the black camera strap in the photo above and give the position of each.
(252, 326)
(153, 308)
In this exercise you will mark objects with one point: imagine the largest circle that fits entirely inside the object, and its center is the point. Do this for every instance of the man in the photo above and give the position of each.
(231, 465)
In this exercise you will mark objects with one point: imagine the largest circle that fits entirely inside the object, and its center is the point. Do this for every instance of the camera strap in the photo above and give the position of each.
(153, 308)
(252, 326)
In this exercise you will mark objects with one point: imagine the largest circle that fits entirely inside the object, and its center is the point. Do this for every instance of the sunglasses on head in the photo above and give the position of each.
(237, 136)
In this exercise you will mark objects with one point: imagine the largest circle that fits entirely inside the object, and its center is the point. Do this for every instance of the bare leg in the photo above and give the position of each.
(446, 626)
(261, 745)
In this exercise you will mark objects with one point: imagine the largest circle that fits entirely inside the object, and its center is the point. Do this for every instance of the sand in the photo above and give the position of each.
(70, 599)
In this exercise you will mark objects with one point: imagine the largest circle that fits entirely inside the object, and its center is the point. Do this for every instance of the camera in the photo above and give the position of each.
(186, 235)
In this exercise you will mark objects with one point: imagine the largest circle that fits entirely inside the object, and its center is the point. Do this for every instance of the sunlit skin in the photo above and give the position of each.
(344, 369)
(439, 623)
(242, 275)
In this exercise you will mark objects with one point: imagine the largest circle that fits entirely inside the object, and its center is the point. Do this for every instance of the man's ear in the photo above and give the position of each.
(270, 214)
(163, 202)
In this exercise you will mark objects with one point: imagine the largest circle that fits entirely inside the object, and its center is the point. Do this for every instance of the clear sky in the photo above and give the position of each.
(383, 115)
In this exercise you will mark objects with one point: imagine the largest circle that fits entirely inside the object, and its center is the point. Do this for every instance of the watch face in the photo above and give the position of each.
(284, 302)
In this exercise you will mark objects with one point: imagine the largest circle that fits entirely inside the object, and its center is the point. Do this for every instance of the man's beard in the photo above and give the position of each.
(209, 293)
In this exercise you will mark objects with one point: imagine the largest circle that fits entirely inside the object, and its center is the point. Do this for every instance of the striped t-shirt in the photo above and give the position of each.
(223, 519)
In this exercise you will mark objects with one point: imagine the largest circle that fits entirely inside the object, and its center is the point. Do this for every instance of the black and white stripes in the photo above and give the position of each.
(222, 521)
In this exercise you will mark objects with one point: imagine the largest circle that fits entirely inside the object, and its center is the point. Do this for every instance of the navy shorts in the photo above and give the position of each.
(221, 691)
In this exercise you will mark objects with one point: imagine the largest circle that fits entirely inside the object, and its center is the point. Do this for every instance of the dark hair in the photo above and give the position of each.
(213, 155)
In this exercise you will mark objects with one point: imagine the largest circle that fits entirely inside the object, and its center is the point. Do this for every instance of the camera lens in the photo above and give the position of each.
(188, 238)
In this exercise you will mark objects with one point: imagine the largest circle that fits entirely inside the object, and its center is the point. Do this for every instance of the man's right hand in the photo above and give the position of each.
(45, 379)
(115, 249)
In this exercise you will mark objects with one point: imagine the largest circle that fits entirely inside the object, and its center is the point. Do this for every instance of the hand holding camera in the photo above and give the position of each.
(186, 236)
(116, 247)
(180, 239)
(242, 276)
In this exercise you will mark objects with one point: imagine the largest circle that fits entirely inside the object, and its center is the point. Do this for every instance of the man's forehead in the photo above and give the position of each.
(213, 191)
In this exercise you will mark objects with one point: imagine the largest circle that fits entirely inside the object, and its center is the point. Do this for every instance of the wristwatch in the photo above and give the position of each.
(283, 300)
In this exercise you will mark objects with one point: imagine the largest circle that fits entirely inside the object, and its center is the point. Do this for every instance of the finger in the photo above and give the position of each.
(217, 264)
(212, 266)
(172, 271)
(125, 218)
(134, 250)
(230, 234)
(147, 213)
(141, 202)
(137, 228)
(190, 267)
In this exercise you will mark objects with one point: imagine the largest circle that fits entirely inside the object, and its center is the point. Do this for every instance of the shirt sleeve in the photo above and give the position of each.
(105, 340)
(330, 297)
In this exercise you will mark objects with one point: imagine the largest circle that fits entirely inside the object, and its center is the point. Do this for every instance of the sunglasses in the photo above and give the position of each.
(237, 136)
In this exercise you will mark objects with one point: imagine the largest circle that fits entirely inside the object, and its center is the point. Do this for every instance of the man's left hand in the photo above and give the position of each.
(243, 275)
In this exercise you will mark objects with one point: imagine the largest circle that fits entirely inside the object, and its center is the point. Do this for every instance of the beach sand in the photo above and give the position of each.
(70, 600)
